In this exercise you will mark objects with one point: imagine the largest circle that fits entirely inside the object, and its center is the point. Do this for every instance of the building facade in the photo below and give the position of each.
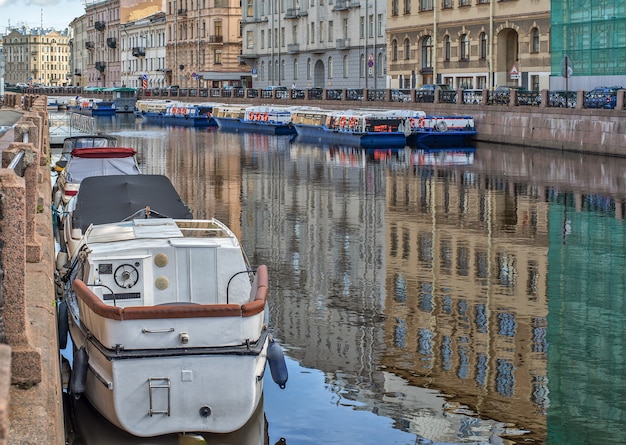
(204, 43)
(79, 54)
(469, 43)
(103, 29)
(37, 56)
(143, 52)
(316, 43)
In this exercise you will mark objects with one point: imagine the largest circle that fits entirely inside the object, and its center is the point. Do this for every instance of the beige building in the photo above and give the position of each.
(468, 43)
(37, 56)
(79, 54)
(204, 44)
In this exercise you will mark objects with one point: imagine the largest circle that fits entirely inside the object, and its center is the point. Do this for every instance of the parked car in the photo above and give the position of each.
(280, 92)
(436, 86)
(472, 96)
(602, 97)
(400, 96)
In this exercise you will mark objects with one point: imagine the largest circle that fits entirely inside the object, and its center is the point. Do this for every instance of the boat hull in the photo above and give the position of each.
(440, 139)
(105, 111)
(156, 392)
(255, 127)
(179, 121)
(356, 139)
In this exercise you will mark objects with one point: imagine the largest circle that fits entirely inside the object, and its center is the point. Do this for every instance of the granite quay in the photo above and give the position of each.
(31, 409)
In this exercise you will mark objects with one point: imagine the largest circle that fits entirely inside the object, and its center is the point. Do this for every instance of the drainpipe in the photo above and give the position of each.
(435, 40)
(491, 70)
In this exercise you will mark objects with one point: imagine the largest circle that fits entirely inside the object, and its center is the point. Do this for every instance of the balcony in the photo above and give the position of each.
(100, 66)
(90, 45)
(139, 51)
(293, 48)
(319, 49)
(216, 39)
(344, 5)
(100, 26)
(342, 43)
(183, 12)
(295, 13)
(112, 42)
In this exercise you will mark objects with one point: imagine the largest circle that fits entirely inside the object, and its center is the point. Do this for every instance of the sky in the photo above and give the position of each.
(57, 14)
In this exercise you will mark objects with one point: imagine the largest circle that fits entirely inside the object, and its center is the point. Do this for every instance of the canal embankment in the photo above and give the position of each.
(31, 409)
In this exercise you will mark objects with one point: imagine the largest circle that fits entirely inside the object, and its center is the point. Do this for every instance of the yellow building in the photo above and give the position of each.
(468, 43)
(37, 56)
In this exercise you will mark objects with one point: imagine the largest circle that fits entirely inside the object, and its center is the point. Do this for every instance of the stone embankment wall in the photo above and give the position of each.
(30, 393)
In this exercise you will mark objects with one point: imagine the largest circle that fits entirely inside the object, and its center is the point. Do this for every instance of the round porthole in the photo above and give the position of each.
(162, 283)
(161, 260)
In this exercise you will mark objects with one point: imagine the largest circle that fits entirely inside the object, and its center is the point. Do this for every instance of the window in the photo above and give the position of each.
(308, 69)
(249, 40)
(218, 27)
(380, 25)
(362, 66)
(370, 27)
(262, 38)
(394, 50)
(218, 56)
(534, 35)
(407, 49)
(465, 2)
(282, 69)
(483, 45)
(330, 31)
(312, 32)
(427, 52)
(407, 6)
(464, 42)
(426, 5)
(394, 7)
(295, 69)
(322, 30)
(446, 48)
(447, 4)
(361, 27)
(282, 37)
(380, 67)
(345, 28)
(330, 67)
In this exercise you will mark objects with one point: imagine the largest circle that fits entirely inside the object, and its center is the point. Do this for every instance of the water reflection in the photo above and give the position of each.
(459, 296)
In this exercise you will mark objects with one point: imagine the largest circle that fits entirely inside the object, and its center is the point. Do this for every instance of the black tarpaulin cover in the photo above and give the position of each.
(108, 199)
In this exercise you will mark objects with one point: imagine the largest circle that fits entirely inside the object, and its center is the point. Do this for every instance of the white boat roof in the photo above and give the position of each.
(142, 233)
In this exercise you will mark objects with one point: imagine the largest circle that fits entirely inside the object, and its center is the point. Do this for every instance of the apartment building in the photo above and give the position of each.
(103, 29)
(316, 43)
(469, 43)
(79, 53)
(204, 43)
(37, 56)
(143, 52)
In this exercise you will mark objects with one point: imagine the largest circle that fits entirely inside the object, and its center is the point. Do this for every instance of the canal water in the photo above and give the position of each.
(474, 295)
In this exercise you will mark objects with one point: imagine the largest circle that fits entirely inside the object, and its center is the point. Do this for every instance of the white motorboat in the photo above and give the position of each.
(169, 325)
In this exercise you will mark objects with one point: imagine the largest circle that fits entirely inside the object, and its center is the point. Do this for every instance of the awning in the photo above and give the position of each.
(220, 75)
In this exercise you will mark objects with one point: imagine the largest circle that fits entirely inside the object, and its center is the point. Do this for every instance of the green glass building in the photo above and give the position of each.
(592, 33)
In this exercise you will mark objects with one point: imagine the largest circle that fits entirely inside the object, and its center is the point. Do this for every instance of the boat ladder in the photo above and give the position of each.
(156, 387)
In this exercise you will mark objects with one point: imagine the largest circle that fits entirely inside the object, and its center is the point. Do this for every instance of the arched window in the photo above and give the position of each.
(262, 73)
(330, 67)
(407, 49)
(394, 50)
(464, 41)
(380, 66)
(308, 69)
(295, 68)
(345, 67)
(534, 35)
(427, 52)
(446, 45)
(282, 69)
(483, 45)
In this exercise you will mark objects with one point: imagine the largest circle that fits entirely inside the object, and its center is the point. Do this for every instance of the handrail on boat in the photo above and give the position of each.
(259, 292)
